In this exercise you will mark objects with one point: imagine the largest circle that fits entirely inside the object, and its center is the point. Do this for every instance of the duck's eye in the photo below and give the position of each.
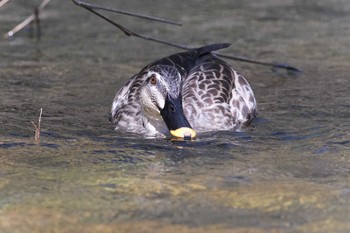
(153, 80)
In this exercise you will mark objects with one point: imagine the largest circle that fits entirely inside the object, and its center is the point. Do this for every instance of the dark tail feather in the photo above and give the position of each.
(212, 47)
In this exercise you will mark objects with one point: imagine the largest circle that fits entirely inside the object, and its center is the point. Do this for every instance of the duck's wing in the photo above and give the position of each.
(126, 108)
(216, 97)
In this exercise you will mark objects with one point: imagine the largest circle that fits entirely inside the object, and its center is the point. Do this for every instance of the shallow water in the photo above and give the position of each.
(289, 172)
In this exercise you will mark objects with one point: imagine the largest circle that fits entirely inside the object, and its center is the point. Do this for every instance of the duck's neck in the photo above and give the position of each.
(154, 123)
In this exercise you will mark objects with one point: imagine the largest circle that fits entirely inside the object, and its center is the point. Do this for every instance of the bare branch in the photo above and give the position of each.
(3, 2)
(128, 32)
(97, 7)
(273, 65)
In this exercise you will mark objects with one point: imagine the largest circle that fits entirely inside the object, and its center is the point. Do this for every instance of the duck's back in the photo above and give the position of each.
(216, 97)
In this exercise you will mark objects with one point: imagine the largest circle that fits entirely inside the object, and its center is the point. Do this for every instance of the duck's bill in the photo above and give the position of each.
(175, 119)
(183, 132)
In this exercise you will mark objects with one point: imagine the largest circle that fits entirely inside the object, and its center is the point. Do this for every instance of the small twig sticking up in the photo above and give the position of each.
(31, 18)
(37, 128)
(128, 32)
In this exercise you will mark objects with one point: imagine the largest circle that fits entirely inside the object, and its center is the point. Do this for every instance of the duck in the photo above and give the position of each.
(184, 94)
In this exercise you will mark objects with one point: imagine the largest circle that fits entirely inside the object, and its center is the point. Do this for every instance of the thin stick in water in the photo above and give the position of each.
(37, 128)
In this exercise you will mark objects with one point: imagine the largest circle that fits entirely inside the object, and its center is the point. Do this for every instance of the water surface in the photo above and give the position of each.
(289, 172)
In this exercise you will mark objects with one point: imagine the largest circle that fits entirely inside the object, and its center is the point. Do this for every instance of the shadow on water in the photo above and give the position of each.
(288, 172)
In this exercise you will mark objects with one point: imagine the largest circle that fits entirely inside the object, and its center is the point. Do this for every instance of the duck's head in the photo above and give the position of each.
(161, 97)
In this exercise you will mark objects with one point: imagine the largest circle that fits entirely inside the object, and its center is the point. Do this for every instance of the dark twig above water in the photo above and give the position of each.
(274, 66)
(128, 32)
(30, 19)
(98, 7)
(92, 8)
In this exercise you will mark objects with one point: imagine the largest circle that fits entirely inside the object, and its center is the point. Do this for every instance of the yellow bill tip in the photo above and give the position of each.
(183, 132)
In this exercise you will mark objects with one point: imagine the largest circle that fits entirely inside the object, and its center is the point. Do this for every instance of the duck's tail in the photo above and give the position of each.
(212, 47)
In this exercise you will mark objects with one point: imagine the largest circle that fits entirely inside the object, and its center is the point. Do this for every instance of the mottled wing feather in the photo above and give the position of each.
(243, 100)
(126, 108)
(215, 97)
